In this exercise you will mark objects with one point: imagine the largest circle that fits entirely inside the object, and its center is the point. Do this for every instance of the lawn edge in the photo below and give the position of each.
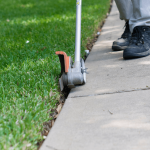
(65, 93)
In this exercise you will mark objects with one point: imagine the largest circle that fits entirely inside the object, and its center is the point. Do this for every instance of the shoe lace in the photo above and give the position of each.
(126, 31)
(137, 36)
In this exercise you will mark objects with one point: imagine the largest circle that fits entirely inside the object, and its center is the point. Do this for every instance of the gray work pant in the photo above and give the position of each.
(136, 11)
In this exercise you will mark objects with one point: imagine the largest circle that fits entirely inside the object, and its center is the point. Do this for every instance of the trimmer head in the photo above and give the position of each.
(71, 74)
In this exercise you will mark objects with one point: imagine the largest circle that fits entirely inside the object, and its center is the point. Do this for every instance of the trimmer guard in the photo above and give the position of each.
(65, 64)
(64, 61)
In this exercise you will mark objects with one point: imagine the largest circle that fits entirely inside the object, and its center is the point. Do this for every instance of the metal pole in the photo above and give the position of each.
(78, 31)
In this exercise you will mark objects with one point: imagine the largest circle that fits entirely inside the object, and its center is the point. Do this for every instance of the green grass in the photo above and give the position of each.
(29, 72)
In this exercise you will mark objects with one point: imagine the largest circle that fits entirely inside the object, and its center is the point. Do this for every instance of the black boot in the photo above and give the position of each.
(124, 41)
(140, 43)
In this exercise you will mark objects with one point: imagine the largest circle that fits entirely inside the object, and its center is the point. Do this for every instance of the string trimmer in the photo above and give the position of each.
(73, 74)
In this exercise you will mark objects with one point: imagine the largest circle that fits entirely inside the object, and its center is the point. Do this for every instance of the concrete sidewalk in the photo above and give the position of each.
(112, 111)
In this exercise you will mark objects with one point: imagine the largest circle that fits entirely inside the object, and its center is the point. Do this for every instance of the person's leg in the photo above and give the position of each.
(140, 28)
(141, 15)
(125, 9)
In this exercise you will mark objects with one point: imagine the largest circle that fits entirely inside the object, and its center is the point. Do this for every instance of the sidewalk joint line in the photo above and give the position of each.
(123, 91)
(51, 147)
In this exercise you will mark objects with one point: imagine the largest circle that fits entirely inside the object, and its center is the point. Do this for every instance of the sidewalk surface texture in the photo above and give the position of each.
(112, 111)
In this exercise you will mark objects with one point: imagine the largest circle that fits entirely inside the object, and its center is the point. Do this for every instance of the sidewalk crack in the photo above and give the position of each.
(116, 92)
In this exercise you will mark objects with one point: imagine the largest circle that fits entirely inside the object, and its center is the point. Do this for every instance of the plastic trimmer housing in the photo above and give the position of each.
(73, 74)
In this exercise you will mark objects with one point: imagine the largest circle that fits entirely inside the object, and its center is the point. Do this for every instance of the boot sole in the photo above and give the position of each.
(118, 48)
(127, 55)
